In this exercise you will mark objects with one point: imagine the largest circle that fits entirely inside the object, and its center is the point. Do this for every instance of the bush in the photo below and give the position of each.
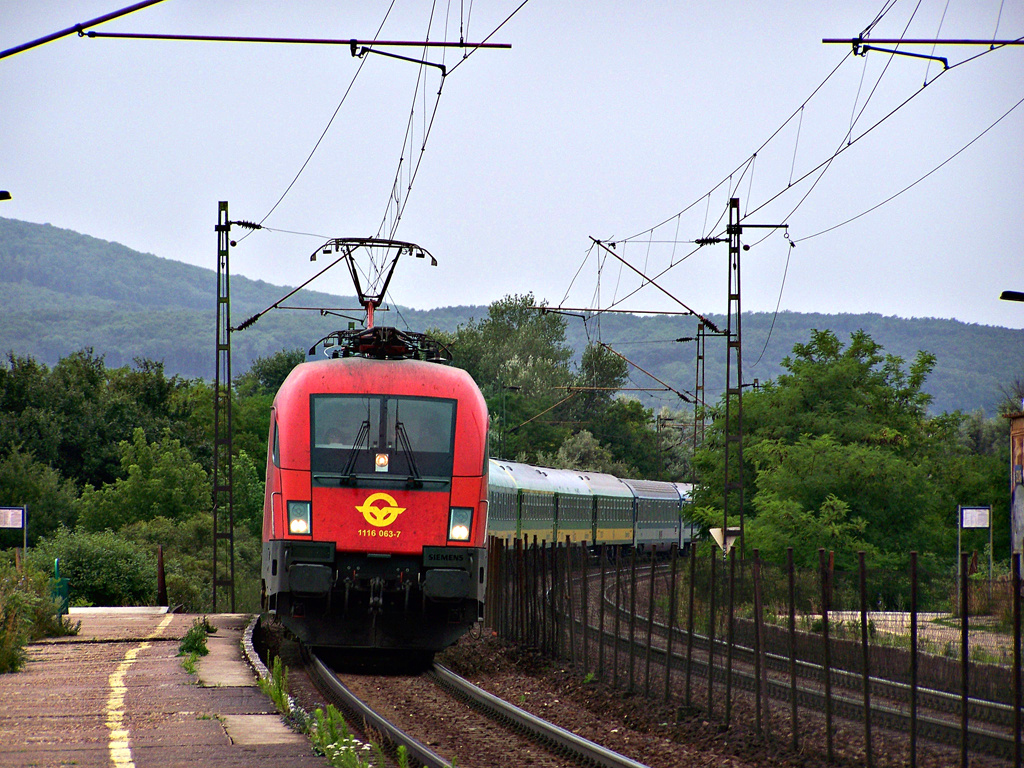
(102, 568)
(27, 612)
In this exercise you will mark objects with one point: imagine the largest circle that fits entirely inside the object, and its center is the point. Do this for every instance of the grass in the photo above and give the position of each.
(327, 729)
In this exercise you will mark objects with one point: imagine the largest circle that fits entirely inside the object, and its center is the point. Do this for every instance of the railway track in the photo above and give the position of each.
(376, 703)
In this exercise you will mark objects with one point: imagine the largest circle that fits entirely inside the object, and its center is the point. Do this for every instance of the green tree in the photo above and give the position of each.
(842, 444)
(248, 493)
(601, 374)
(73, 416)
(583, 451)
(160, 480)
(266, 374)
(519, 358)
(49, 497)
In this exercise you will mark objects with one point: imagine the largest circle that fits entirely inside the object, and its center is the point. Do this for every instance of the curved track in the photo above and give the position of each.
(939, 713)
(566, 745)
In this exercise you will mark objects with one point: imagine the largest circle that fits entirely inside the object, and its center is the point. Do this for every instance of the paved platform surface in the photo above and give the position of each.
(117, 695)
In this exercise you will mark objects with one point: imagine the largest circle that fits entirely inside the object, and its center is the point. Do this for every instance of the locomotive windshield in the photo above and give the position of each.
(360, 439)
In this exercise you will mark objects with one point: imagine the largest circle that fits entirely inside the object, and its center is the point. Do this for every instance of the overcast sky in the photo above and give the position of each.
(605, 120)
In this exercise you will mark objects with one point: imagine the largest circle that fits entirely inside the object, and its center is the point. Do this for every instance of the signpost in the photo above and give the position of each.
(16, 517)
(725, 539)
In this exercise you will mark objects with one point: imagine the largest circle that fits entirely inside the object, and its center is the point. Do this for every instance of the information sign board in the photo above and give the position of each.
(12, 517)
(974, 517)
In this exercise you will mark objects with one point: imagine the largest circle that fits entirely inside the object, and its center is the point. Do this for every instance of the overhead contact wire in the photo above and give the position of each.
(330, 122)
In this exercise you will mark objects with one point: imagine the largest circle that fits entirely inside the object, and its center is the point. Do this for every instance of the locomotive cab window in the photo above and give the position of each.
(358, 439)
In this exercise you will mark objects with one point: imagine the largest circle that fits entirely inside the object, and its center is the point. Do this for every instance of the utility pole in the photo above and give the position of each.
(223, 485)
(732, 486)
(698, 391)
(733, 463)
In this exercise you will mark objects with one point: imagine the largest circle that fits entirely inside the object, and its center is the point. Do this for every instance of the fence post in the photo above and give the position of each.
(585, 599)
(520, 581)
(650, 627)
(794, 724)
(672, 607)
(711, 635)
(730, 633)
(759, 661)
(570, 611)
(913, 660)
(965, 659)
(537, 592)
(600, 621)
(618, 616)
(545, 598)
(867, 656)
(559, 579)
(632, 622)
(161, 577)
(826, 590)
(689, 620)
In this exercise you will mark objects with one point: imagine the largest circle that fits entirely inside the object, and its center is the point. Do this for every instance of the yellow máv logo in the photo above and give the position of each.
(380, 516)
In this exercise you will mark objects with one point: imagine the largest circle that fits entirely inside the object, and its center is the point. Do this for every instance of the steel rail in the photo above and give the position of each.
(331, 686)
(985, 710)
(945, 732)
(568, 743)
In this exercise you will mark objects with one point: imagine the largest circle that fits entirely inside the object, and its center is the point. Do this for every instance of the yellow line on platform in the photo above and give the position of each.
(120, 747)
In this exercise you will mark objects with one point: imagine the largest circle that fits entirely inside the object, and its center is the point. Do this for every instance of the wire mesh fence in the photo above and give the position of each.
(884, 660)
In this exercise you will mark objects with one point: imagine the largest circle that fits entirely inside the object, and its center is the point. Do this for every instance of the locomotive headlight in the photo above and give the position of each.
(460, 522)
(299, 518)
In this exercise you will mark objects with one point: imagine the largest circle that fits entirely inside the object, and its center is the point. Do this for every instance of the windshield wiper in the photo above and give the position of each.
(402, 438)
(353, 453)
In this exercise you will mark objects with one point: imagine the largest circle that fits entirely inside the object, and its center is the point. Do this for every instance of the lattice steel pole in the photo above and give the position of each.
(733, 483)
(223, 492)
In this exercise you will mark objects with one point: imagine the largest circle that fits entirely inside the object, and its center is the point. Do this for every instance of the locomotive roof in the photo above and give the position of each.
(388, 377)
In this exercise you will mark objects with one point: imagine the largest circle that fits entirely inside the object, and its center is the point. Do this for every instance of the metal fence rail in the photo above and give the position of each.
(788, 646)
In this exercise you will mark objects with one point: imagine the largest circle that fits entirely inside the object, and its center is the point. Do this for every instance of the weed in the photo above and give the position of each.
(194, 641)
(332, 739)
(189, 663)
(276, 686)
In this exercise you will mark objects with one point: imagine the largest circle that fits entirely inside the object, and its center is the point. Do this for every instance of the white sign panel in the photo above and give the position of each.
(974, 517)
(12, 517)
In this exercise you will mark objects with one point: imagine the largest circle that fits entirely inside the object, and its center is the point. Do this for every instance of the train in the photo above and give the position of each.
(374, 519)
(380, 497)
(557, 505)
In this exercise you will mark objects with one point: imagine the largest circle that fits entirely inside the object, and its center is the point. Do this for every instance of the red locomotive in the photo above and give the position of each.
(376, 500)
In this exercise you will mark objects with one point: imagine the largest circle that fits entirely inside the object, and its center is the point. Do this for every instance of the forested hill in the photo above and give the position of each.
(63, 291)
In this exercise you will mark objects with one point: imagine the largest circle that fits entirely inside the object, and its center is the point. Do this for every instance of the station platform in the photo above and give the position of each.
(116, 694)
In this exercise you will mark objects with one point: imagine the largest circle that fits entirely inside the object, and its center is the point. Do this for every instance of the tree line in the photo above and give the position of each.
(839, 452)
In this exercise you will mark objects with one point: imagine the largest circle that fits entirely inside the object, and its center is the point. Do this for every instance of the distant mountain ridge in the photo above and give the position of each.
(63, 291)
